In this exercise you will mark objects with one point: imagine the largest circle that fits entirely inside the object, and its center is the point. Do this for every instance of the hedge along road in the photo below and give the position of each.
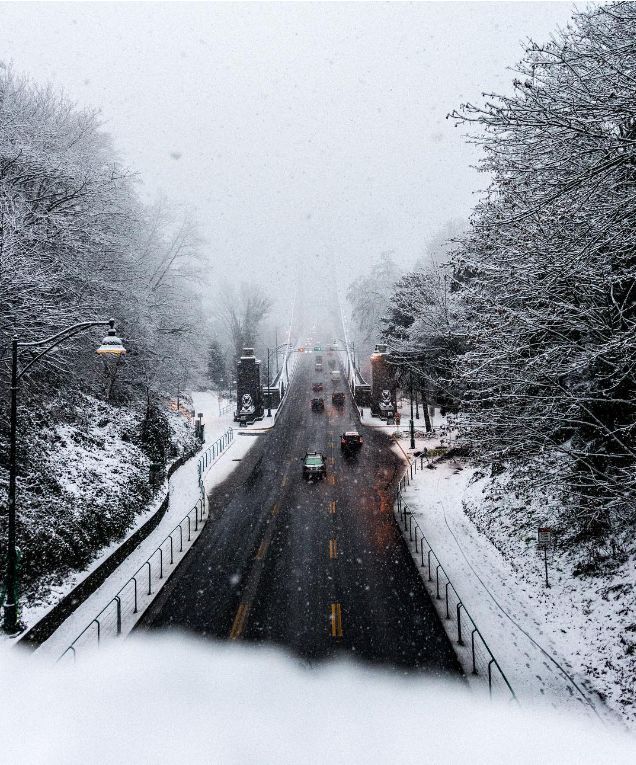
(317, 567)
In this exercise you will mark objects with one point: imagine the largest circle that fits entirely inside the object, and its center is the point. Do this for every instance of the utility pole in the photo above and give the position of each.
(269, 392)
(276, 346)
(412, 424)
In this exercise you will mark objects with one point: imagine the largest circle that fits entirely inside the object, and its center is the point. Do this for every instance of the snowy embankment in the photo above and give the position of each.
(184, 494)
(174, 700)
(557, 645)
(95, 488)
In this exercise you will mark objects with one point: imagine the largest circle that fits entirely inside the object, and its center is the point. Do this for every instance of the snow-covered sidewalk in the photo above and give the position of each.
(502, 606)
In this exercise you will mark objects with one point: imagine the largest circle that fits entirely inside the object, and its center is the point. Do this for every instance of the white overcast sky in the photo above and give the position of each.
(294, 130)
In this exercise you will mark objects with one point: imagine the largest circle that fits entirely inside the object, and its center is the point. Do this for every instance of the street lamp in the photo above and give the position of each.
(269, 392)
(111, 345)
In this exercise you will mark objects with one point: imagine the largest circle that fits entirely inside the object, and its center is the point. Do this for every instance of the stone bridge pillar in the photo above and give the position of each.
(383, 384)
(249, 402)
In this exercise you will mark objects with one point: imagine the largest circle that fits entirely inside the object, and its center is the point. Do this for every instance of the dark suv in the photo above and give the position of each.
(317, 404)
(338, 398)
(350, 441)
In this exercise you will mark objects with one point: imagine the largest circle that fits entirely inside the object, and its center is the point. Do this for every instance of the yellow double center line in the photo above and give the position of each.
(333, 549)
(336, 620)
(239, 621)
(332, 507)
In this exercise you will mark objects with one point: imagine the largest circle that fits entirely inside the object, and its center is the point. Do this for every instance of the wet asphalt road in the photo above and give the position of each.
(316, 567)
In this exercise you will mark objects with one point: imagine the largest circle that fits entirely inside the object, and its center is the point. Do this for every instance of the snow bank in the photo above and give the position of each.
(174, 700)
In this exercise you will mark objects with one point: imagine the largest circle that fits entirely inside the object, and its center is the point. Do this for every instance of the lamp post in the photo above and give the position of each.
(412, 424)
(269, 392)
(111, 345)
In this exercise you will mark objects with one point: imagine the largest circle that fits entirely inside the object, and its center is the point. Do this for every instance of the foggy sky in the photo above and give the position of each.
(296, 131)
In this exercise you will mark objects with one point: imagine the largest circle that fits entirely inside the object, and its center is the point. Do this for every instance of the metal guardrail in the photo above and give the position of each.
(467, 634)
(212, 452)
(227, 408)
(138, 590)
(152, 570)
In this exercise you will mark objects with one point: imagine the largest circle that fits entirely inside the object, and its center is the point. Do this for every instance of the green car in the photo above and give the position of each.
(314, 465)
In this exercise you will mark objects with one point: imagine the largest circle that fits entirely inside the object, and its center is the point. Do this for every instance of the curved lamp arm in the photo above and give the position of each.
(53, 340)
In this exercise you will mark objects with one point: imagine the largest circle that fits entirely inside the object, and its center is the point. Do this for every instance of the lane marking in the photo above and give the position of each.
(333, 549)
(284, 483)
(239, 621)
(332, 461)
(336, 620)
(331, 479)
(332, 506)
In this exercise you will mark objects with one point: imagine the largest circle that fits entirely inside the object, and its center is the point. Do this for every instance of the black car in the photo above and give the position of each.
(317, 404)
(338, 398)
(314, 465)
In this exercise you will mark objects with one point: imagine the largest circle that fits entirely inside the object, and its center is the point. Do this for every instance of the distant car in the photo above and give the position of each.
(316, 387)
(317, 348)
(331, 363)
(314, 465)
(318, 366)
(338, 398)
(350, 441)
(335, 376)
(317, 404)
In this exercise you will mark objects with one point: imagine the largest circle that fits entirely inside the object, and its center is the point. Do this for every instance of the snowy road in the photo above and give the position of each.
(316, 567)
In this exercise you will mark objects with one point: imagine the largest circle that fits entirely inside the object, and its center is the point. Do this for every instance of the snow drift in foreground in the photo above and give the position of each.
(167, 700)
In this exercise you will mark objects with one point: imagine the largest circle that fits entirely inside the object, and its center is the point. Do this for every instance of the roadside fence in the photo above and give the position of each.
(227, 408)
(471, 647)
(212, 452)
(121, 613)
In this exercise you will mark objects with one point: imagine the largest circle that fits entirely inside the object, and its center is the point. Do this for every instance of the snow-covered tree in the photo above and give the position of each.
(369, 297)
(548, 270)
(241, 313)
(75, 244)
(423, 328)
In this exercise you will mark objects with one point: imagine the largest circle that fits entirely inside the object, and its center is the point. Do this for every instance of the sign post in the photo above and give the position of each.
(544, 540)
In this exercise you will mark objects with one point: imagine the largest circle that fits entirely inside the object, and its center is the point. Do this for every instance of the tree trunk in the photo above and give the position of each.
(427, 416)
